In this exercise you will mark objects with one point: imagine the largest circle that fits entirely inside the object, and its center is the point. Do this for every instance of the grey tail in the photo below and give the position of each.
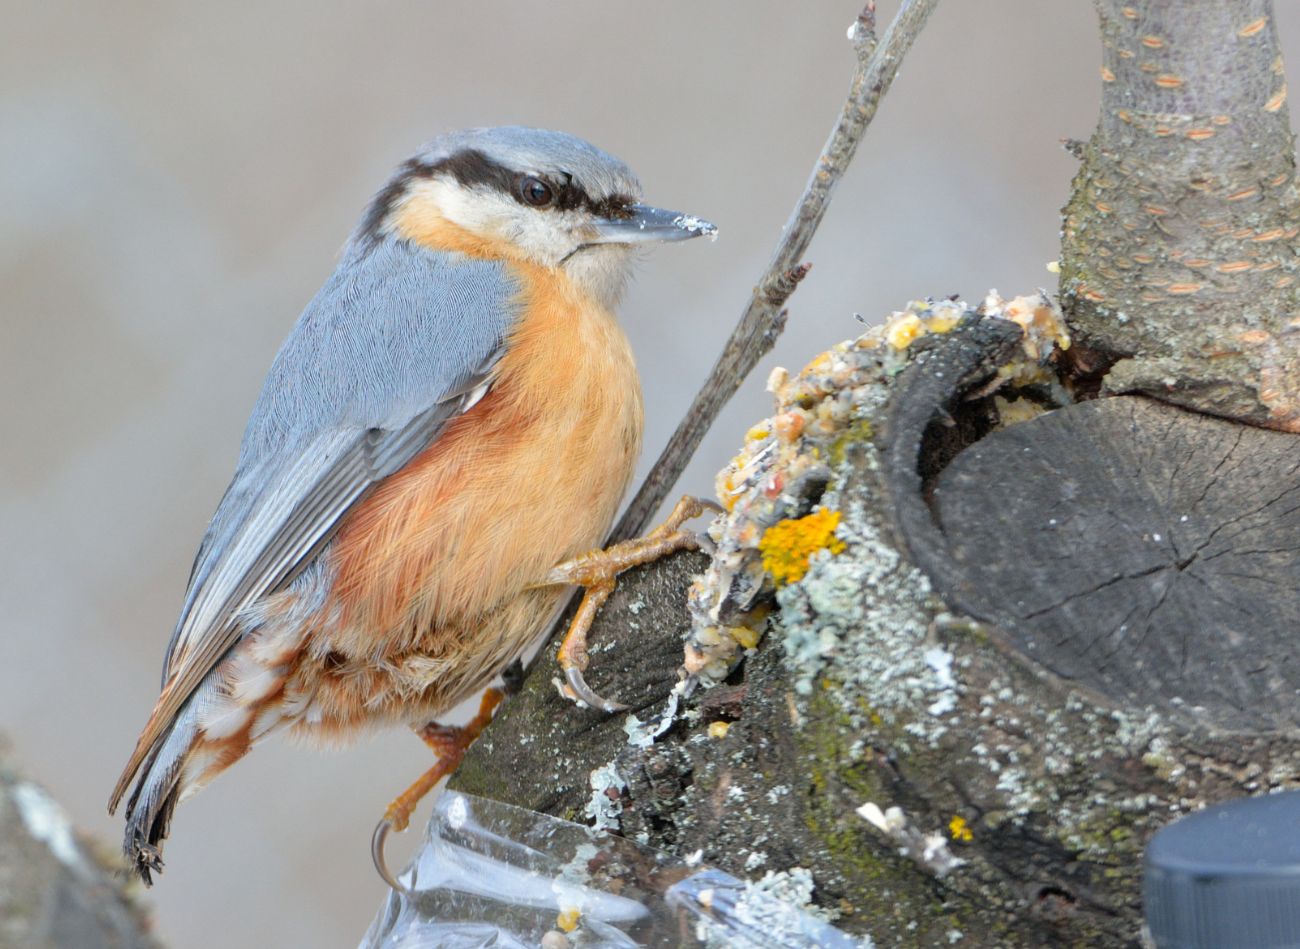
(149, 809)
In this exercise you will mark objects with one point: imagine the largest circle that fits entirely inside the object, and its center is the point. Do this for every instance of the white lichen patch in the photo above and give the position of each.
(776, 910)
(930, 851)
(871, 646)
(940, 662)
(643, 734)
(605, 805)
(794, 886)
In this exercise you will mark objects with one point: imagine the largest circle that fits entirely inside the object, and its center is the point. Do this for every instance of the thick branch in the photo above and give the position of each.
(1178, 245)
(764, 318)
(936, 775)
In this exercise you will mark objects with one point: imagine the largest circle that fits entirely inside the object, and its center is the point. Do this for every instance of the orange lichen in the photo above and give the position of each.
(567, 921)
(788, 545)
(960, 829)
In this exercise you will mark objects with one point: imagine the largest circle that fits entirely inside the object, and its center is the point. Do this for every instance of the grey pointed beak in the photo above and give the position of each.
(646, 224)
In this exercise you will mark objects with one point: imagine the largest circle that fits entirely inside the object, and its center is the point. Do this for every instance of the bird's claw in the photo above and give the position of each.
(577, 685)
(450, 742)
(597, 572)
(377, 840)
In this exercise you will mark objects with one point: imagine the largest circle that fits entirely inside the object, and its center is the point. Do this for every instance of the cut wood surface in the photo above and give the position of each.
(1148, 552)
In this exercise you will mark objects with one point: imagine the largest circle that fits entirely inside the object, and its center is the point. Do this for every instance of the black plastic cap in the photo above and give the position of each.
(1227, 877)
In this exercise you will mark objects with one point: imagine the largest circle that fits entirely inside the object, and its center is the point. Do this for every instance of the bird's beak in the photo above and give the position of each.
(645, 224)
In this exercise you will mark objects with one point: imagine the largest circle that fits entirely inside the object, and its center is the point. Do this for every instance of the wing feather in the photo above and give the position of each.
(328, 427)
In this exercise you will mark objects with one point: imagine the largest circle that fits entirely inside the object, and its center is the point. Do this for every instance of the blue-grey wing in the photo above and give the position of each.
(398, 342)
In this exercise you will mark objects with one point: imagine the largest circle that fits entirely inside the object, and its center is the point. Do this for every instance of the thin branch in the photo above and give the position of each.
(764, 317)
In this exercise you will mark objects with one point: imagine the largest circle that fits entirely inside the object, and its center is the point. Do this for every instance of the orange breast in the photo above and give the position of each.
(530, 476)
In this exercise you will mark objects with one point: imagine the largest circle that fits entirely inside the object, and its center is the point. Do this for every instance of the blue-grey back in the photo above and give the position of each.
(398, 330)
(392, 332)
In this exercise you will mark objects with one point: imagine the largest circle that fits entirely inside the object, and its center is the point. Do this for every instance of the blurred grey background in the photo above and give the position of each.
(175, 180)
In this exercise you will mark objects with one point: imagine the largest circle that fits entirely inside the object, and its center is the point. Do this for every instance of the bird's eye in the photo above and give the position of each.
(535, 192)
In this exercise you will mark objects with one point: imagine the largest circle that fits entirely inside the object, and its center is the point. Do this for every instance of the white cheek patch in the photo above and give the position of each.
(541, 235)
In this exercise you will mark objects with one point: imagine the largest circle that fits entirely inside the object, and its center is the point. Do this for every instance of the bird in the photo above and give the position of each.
(440, 446)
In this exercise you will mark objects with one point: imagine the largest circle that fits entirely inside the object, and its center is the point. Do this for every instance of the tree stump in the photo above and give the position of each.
(1039, 643)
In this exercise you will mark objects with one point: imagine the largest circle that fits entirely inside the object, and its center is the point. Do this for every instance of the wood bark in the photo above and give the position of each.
(993, 696)
(1040, 642)
(56, 890)
(1178, 252)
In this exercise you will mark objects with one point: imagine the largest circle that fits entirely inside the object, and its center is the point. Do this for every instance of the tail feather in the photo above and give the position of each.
(159, 786)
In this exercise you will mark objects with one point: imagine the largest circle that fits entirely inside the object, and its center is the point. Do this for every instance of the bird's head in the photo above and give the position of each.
(529, 195)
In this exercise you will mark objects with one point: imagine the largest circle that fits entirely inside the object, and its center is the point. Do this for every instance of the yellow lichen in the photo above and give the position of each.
(719, 729)
(919, 318)
(902, 332)
(960, 830)
(943, 321)
(746, 637)
(568, 920)
(787, 546)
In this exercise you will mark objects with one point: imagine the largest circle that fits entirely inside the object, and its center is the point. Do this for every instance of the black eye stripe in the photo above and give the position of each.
(473, 168)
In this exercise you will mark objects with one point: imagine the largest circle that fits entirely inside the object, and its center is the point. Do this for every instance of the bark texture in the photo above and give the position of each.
(54, 891)
(1179, 245)
(1006, 638)
(957, 662)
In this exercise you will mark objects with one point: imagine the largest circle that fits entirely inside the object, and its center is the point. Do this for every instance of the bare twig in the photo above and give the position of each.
(764, 317)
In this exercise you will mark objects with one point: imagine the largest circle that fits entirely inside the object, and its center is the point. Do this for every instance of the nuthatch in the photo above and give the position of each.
(454, 414)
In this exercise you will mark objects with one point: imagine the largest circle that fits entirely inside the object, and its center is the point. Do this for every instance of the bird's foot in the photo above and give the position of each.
(449, 742)
(598, 570)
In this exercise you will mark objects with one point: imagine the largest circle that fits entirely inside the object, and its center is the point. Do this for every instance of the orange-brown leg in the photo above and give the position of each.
(449, 742)
(597, 572)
